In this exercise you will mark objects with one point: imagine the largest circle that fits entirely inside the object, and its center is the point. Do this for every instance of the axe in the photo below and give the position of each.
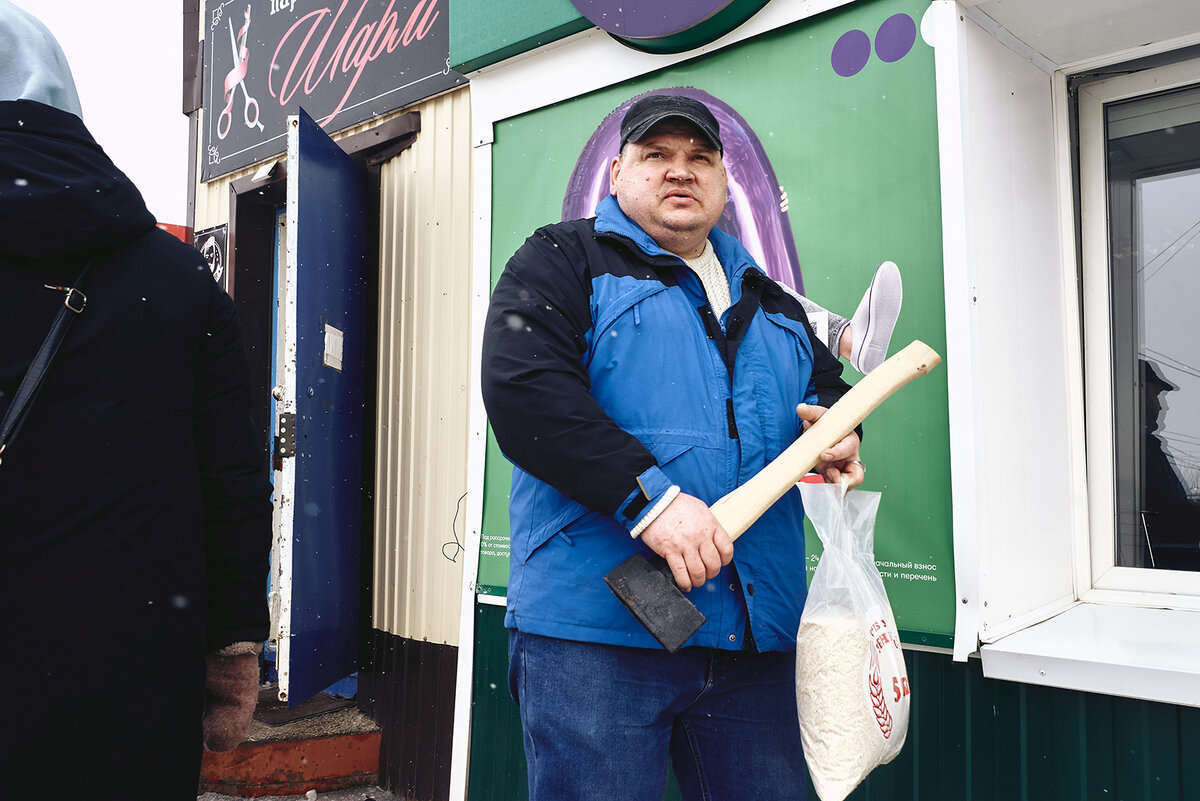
(646, 586)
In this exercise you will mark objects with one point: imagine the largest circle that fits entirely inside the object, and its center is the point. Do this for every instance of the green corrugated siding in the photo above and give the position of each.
(970, 738)
(497, 770)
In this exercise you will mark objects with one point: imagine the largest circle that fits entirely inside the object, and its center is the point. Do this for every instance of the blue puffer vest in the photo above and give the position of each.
(662, 374)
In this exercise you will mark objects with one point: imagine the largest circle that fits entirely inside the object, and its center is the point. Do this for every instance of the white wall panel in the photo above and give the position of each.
(1015, 445)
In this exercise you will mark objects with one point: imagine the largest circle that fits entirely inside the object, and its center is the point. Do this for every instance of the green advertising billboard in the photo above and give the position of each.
(841, 107)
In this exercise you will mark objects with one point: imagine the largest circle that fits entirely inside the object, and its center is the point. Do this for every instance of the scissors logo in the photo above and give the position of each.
(236, 78)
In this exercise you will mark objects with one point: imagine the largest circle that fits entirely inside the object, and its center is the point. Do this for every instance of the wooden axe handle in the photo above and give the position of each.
(738, 510)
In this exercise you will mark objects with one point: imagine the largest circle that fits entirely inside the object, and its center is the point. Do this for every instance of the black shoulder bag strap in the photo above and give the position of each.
(73, 304)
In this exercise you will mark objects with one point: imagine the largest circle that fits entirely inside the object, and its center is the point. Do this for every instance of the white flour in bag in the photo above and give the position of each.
(843, 739)
(852, 694)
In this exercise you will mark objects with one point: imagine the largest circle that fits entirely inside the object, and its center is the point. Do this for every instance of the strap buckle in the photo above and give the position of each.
(75, 300)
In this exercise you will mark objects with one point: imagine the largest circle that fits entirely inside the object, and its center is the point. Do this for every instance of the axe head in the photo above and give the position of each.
(648, 590)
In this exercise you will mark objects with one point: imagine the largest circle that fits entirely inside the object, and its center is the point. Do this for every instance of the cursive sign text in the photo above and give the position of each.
(304, 59)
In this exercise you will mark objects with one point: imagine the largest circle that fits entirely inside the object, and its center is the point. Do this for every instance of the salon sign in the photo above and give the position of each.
(343, 61)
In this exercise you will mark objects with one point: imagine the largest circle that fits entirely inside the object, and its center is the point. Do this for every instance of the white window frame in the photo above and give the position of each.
(1024, 505)
(1109, 582)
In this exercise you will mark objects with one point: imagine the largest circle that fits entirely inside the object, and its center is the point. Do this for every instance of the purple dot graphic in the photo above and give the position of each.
(895, 37)
(850, 53)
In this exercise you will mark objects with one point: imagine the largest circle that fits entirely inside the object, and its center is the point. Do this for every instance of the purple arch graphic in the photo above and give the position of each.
(752, 212)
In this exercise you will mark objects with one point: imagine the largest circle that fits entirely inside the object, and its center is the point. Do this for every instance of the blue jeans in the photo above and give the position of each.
(601, 721)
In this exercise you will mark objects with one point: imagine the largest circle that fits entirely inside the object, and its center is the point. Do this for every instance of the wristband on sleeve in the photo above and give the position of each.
(655, 511)
(652, 484)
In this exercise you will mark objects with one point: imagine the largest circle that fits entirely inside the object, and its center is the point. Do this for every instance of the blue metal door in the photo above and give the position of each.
(319, 414)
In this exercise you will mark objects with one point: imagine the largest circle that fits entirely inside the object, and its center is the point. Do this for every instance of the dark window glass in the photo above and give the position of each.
(1153, 169)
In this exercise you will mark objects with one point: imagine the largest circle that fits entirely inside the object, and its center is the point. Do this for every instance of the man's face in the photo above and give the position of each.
(672, 184)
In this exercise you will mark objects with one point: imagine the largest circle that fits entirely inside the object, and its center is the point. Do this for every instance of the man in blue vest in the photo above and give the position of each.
(637, 366)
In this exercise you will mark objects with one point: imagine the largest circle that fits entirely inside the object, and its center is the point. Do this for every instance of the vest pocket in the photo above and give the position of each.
(549, 513)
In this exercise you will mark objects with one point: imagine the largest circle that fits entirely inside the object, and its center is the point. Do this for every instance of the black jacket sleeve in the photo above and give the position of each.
(827, 368)
(827, 373)
(535, 384)
(827, 376)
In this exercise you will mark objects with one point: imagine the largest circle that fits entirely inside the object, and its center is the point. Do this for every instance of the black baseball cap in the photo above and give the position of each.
(645, 113)
(1153, 377)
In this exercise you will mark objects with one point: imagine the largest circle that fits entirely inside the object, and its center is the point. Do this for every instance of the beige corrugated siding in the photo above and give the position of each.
(212, 199)
(423, 377)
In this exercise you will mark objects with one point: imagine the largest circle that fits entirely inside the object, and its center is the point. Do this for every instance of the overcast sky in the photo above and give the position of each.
(126, 58)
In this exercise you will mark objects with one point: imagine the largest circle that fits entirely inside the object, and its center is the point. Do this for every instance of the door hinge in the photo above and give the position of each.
(285, 439)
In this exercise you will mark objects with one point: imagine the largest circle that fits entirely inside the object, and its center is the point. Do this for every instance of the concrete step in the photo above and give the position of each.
(353, 794)
(323, 745)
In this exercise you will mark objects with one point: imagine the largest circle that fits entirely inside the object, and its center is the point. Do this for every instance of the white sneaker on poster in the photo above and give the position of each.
(875, 318)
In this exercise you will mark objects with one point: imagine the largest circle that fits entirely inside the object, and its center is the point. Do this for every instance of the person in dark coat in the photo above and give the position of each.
(1169, 519)
(135, 512)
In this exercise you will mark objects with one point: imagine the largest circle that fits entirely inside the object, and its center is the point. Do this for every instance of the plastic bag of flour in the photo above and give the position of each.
(852, 691)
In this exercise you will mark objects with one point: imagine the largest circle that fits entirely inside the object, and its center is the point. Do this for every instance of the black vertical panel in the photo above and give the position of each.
(1164, 756)
(1007, 767)
(944, 760)
(377, 684)
(1038, 723)
(193, 78)
(1189, 752)
(370, 420)
(409, 690)
(985, 741)
(1068, 746)
(1100, 756)
(368, 677)
(1130, 745)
